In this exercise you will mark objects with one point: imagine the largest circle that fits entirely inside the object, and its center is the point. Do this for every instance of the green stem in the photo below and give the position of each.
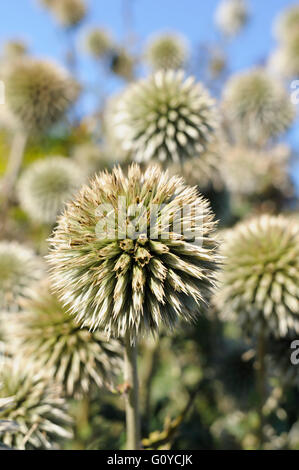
(261, 383)
(132, 396)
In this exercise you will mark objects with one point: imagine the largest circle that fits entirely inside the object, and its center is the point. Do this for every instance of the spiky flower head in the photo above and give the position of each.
(98, 42)
(46, 334)
(131, 277)
(38, 93)
(47, 185)
(285, 60)
(264, 169)
(123, 64)
(259, 282)
(38, 408)
(257, 106)
(166, 51)
(165, 116)
(287, 23)
(69, 13)
(231, 16)
(20, 270)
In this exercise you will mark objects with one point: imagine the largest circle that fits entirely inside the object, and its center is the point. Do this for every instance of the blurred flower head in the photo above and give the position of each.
(46, 334)
(69, 13)
(166, 51)
(123, 64)
(166, 117)
(257, 106)
(231, 16)
(98, 42)
(285, 59)
(143, 274)
(14, 49)
(38, 93)
(47, 185)
(37, 407)
(20, 270)
(287, 23)
(259, 282)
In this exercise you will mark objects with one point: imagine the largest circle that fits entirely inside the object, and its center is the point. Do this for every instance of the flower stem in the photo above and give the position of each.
(132, 396)
(261, 382)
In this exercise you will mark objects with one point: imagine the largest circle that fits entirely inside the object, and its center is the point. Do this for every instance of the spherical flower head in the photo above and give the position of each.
(285, 60)
(46, 334)
(264, 169)
(257, 106)
(167, 51)
(69, 13)
(38, 408)
(122, 64)
(259, 282)
(20, 270)
(120, 259)
(166, 117)
(287, 23)
(98, 42)
(38, 93)
(231, 16)
(47, 185)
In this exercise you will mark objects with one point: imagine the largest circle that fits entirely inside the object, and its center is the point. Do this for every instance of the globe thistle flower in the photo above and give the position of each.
(129, 283)
(264, 169)
(166, 51)
(165, 116)
(38, 93)
(69, 13)
(257, 106)
(287, 23)
(37, 408)
(47, 185)
(98, 42)
(285, 60)
(46, 334)
(231, 16)
(20, 270)
(259, 281)
(122, 64)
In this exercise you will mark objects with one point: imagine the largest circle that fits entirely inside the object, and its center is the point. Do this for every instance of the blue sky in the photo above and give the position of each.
(194, 18)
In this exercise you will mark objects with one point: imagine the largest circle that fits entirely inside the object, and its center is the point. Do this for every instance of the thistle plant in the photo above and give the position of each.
(166, 117)
(69, 13)
(145, 274)
(47, 185)
(98, 43)
(258, 286)
(166, 51)
(257, 106)
(20, 270)
(37, 408)
(287, 23)
(46, 334)
(231, 16)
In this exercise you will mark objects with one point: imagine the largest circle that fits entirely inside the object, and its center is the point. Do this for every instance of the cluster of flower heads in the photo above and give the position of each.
(258, 285)
(164, 116)
(166, 51)
(47, 335)
(20, 271)
(128, 282)
(37, 408)
(69, 13)
(285, 59)
(231, 16)
(38, 93)
(47, 185)
(257, 106)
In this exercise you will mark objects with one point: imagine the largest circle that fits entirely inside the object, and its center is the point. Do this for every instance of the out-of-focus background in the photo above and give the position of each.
(198, 386)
